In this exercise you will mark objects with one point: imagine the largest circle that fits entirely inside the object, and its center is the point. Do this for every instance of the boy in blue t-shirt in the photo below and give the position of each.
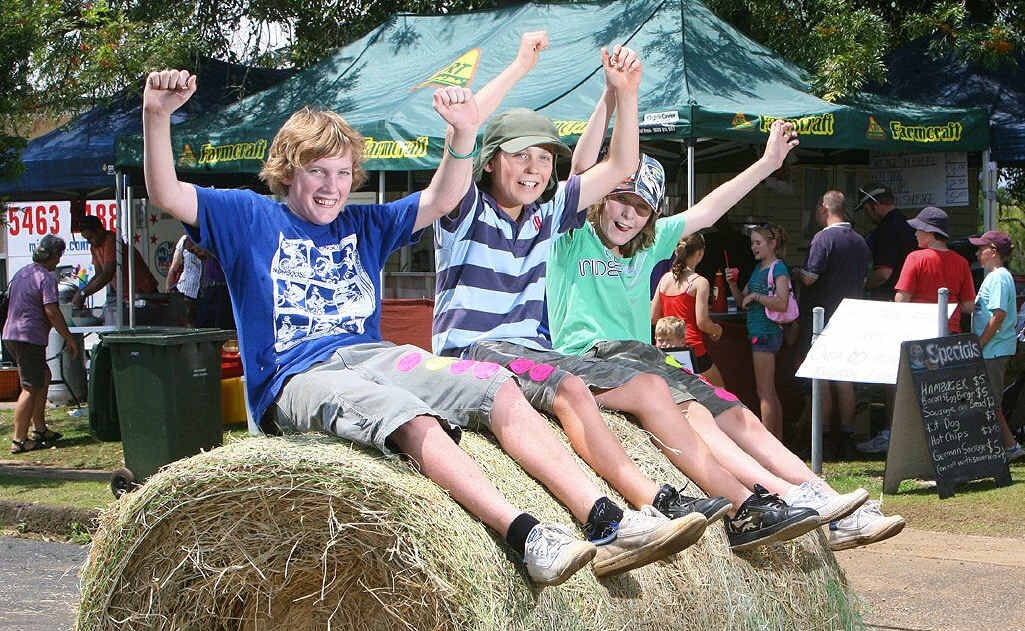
(996, 311)
(304, 281)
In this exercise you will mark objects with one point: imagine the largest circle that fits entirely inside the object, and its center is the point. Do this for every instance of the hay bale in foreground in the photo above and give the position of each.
(310, 532)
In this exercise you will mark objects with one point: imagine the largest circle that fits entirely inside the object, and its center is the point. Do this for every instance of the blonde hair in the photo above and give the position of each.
(310, 135)
(774, 232)
(642, 240)
(671, 327)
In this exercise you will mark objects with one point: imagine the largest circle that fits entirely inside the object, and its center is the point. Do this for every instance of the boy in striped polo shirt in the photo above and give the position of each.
(492, 254)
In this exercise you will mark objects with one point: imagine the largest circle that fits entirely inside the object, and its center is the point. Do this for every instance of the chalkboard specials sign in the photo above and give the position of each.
(944, 420)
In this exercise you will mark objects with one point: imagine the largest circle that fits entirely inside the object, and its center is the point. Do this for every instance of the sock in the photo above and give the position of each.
(518, 531)
(603, 515)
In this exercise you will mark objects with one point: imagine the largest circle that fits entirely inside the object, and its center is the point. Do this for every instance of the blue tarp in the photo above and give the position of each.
(79, 157)
(915, 75)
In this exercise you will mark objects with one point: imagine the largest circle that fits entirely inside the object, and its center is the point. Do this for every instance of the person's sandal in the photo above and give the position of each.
(25, 444)
(45, 436)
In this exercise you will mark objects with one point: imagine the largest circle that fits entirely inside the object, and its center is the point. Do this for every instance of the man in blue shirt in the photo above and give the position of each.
(838, 260)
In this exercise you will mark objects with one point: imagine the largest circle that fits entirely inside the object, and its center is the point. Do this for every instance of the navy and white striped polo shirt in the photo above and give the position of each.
(491, 269)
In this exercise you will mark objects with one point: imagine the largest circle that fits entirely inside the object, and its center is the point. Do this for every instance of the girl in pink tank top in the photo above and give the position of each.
(683, 293)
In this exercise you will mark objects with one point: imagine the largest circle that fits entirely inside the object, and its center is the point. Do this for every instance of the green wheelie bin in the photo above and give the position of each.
(102, 400)
(168, 387)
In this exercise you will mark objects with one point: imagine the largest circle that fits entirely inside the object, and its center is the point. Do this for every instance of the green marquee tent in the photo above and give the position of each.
(702, 79)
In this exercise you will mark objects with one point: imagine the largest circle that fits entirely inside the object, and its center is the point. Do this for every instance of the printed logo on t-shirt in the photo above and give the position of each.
(318, 291)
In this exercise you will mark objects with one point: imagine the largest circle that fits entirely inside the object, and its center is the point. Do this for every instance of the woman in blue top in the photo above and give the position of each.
(768, 243)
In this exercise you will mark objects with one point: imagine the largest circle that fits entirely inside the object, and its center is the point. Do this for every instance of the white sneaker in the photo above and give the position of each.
(646, 536)
(1014, 452)
(867, 525)
(552, 554)
(878, 444)
(830, 506)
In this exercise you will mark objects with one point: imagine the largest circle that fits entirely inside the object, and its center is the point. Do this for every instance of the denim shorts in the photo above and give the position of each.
(767, 342)
(367, 391)
(539, 373)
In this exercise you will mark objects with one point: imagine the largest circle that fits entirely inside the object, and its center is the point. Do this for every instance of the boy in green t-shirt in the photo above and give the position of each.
(587, 310)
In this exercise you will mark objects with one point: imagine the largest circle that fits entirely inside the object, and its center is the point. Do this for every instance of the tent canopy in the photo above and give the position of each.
(79, 156)
(953, 82)
(702, 78)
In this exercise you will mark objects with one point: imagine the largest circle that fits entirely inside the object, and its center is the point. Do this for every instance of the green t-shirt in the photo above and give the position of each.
(595, 295)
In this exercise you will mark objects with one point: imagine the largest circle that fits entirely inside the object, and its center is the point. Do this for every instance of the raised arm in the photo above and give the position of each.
(464, 112)
(706, 212)
(490, 96)
(585, 154)
(450, 182)
(165, 92)
(623, 76)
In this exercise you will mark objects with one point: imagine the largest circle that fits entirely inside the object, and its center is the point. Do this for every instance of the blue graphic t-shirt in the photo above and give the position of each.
(299, 291)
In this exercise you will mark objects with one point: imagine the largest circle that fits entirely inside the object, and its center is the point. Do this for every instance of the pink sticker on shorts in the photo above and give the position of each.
(485, 370)
(521, 365)
(541, 372)
(461, 366)
(726, 395)
(409, 361)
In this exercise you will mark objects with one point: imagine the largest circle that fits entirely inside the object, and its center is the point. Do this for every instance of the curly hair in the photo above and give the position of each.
(684, 249)
(309, 135)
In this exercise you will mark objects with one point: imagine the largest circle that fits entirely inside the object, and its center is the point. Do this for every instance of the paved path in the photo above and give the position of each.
(933, 581)
(38, 584)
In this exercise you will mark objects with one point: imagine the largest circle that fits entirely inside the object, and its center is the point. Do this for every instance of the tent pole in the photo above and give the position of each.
(130, 231)
(690, 172)
(380, 200)
(989, 191)
(119, 194)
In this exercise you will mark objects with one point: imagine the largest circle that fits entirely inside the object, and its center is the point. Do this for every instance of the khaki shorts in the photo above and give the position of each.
(367, 391)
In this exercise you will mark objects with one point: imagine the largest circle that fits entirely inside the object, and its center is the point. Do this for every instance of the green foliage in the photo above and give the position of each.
(843, 42)
(20, 32)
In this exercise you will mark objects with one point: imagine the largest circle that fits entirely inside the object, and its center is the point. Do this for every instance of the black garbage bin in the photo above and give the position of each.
(168, 388)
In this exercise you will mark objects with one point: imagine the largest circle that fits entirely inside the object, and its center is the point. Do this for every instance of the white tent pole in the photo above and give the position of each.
(119, 194)
(989, 191)
(129, 229)
(690, 172)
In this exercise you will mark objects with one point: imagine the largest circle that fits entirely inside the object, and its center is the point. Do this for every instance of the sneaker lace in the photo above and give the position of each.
(551, 538)
(769, 499)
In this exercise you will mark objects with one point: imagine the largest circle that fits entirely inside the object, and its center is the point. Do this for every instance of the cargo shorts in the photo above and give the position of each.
(539, 373)
(683, 383)
(365, 392)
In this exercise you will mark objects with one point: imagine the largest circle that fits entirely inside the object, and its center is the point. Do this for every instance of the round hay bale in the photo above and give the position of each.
(310, 532)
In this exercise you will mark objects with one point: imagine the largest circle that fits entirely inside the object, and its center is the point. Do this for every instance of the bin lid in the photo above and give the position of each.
(165, 336)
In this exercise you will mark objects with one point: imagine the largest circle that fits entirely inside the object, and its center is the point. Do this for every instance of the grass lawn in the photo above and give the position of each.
(977, 508)
(78, 449)
(74, 493)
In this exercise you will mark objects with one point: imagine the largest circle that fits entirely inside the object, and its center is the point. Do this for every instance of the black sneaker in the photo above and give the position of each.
(764, 518)
(673, 505)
